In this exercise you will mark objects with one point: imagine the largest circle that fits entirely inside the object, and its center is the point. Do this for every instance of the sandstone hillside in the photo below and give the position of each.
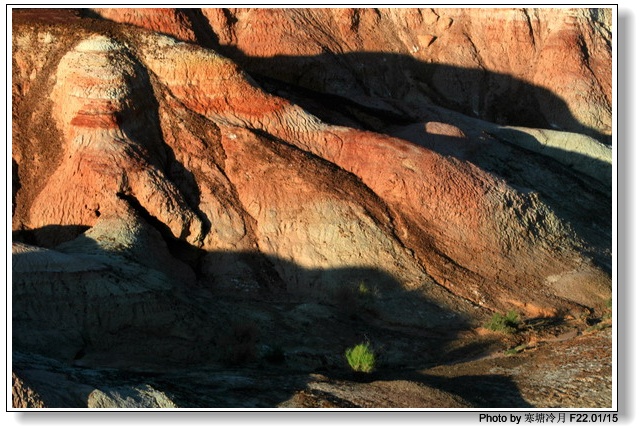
(234, 191)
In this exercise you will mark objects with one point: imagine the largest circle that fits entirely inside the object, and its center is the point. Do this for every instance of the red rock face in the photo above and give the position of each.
(175, 144)
(542, 67)
(162, 20)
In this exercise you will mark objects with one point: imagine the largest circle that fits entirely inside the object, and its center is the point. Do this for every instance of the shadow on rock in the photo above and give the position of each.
(565, 162)
(112, 325)
(388, 79)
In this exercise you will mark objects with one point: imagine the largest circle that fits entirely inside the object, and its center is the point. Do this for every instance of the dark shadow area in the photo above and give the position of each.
(88, 13)
(49, 236)
(487, 391)
(483, 391)
(494, 97)
(223, 344)
(201, 26)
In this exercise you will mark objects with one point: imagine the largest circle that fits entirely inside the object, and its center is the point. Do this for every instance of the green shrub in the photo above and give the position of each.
(516, 350)
(506, 324)
(361, 358)
(364, 291)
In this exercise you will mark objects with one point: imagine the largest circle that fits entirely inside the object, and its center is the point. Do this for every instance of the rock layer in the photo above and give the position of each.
(155, 164)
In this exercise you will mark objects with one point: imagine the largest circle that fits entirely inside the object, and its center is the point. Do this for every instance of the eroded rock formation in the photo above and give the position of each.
(159, 154)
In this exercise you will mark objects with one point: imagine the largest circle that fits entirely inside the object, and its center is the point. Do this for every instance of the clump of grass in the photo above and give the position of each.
(353, 299)
(507, 323)
(363, 290)
(516, 350)
(361, 358)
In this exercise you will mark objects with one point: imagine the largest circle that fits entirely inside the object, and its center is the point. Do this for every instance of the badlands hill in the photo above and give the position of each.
(208, 202)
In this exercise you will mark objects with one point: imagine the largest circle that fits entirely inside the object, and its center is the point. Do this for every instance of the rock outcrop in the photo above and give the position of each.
(161, 156)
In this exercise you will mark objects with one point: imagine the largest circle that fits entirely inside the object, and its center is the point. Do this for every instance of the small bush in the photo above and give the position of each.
(506, 324)
(361, 358)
